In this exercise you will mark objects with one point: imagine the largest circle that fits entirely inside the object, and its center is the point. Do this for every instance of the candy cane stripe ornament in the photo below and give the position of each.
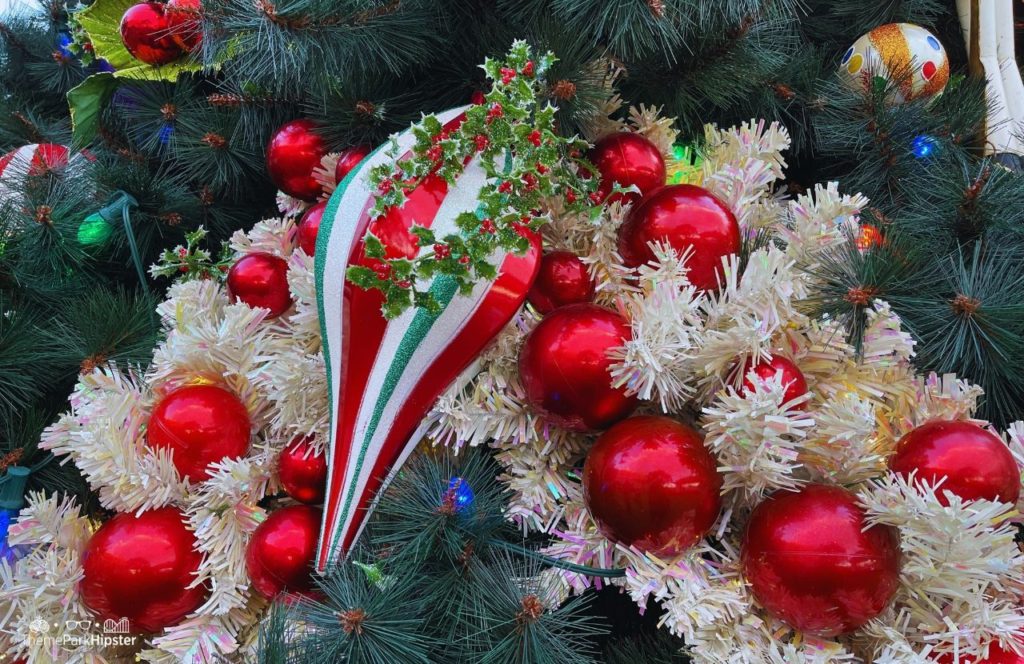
(384, 375)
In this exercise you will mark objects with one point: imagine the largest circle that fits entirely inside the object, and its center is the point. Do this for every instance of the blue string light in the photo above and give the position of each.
(64, 41)
(924, 146)
(462, 492)
(166, 132)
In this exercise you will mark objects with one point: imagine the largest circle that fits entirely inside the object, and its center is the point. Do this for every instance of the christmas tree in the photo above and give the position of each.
(521, 382)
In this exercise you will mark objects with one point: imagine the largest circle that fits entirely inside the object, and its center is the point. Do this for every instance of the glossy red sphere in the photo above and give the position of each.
(682, 215)
(792, 378)
(309, 228)
(349, 159)
(295, 150)
(200, 424)
(650, 483)
(975, 462)
(280, 554)
(996, 655)
(564, 367)
(562, 279)
(261, 280)
(810, 562)
(140, 567)
(628, 159)
(185, 18)
(145, 33)
(303, 473)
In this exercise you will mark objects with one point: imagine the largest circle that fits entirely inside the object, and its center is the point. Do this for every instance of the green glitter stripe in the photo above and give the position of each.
(443, 289)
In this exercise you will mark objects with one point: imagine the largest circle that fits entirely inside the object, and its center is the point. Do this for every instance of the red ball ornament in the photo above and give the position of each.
(810, 561)
(792, 378)
(185, 19)
(562, 279)
(349, 159)
(996, 655)
(683, 215)
(628, 159)
(280, 554)
(261, 280)
(303, 473)
(140, 567)
(564, 367)
(294, 151)
(145, 31)
(650, 483)
(309, 227)
(33, 160)
(975, 462)
(200, 424)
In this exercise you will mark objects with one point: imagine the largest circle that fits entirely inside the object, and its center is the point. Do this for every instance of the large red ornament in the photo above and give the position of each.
(628, 159)
(303, 473)
(975, 462)
(562, 279)
(792, 378)
(309, 227)
(185, 19)
(683, 215)
(261, 280)
(33, 160)
(145, 31)
(200, 424)
(650, 483)
(810, 561)
(281, 551)
(564, 367)
(295, 150)
(140, 568)
(996, 655)
(349, 159)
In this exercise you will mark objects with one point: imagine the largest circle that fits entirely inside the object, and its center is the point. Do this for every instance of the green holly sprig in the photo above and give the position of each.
(192, 261)
(526, 162)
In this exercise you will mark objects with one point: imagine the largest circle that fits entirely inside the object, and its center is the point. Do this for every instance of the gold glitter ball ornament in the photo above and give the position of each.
(903, 52)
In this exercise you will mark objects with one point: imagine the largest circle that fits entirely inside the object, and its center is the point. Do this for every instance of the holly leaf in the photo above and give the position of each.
(86, 102)
(102, 22)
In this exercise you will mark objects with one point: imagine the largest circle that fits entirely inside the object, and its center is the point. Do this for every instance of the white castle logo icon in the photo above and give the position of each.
(39, 626)
(111, 626)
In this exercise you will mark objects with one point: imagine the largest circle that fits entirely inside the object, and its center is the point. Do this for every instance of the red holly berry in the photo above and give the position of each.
(541, 168)
(487, 226)
(182, 252)
(482, 142)
(534, 137)
(496, 111)
(505, 187)
(404, 283)
(595, 198)
(383, 271)
(530, 180)
(183, 268)
(386, 186)
(570, 197)
(442, 251)
(507, 75)
(464, 260)
(435, 153)
(528, 69)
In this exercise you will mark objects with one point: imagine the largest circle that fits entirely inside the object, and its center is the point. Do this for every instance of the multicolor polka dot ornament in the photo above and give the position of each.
(901, 50)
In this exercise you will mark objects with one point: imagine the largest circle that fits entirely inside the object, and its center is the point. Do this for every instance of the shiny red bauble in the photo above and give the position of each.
(280, 554)
(145, 32)
(562, 279)
(185, 19)
(309, 228)
(996, 655)
(628, 159)
(140, 568)
(295, 150)
(261, 280)
(810, 561)
(200, 424)
(564, 367)
(683, 216)
(975, 462)
(303, 472)
(650, 483)
(349, 159)
(792, 378)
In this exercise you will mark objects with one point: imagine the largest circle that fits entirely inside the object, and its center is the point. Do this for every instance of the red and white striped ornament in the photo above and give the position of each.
(33, 159)
(384, 375)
